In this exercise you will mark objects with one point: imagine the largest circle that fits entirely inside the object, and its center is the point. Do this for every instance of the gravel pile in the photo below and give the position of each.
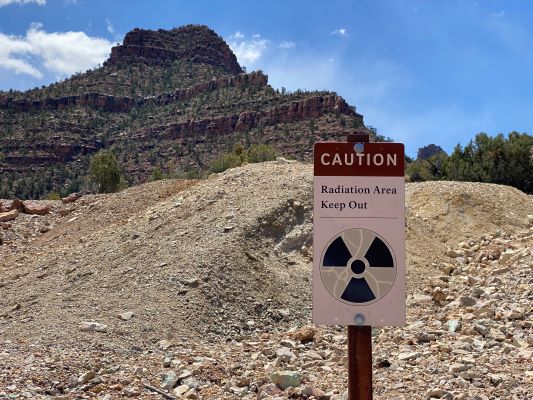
(202, 290)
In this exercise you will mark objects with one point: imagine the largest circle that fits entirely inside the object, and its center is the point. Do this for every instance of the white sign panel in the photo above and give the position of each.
(359, 239)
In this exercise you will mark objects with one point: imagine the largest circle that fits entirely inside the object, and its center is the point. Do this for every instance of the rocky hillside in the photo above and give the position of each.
(168, 100)
(202, 289)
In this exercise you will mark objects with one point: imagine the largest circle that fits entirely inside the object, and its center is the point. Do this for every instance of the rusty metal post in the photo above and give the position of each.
(359, 363)
(359, 337)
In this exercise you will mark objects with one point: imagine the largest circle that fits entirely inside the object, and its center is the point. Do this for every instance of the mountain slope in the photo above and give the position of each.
(169, 100)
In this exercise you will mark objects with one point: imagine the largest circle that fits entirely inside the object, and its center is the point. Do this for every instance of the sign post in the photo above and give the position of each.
(359, 245)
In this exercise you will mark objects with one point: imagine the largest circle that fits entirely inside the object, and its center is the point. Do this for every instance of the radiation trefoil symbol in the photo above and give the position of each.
(358, 267)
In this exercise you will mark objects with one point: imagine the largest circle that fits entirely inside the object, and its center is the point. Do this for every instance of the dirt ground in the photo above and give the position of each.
(211, 279)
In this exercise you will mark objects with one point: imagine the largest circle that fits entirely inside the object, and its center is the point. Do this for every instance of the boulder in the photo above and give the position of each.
(17, 204)
(268, 391)
(438, 295)
(36, 209)
(408, 356)
(285, 379)
(181, 390)
(437, 393)
(305, 334)
(86, 377)
(8, 216)
(315, 392)
(454, 325)
(454, 253)
(169, 380)
(71, 198)
(467, 301)
(126, 316)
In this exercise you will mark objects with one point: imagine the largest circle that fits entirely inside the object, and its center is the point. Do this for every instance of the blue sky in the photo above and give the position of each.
(419, 71)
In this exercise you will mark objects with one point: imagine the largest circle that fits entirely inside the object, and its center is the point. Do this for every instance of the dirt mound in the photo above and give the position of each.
(118, 277)
(209, 260)
(440, 215)
(227, 257)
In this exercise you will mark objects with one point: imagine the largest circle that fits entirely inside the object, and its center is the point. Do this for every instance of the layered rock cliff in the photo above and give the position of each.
(46, 141)
(194, 43)
(105, 102)
(306, 109)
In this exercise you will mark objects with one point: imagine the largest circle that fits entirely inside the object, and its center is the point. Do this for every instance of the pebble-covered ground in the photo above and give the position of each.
(97, 305)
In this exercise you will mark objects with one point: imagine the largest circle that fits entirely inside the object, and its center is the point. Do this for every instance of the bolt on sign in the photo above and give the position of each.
(359, 238)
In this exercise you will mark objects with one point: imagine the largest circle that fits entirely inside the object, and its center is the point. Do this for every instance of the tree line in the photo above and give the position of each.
(499, 159)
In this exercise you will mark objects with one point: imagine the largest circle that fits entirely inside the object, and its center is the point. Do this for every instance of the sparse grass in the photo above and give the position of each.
(255, 154)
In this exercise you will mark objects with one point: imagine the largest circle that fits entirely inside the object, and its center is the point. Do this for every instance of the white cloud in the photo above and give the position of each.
(109, 26)
(8, 2)
(340, 32)
(62, 53)
(498, 14)
(10, 45)
(248, 51)
(286, 44)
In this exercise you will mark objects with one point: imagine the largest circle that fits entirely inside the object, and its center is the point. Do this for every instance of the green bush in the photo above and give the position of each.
(255, 154)
(226, 161)
(53, 196)
(429, 169)
(193, 174)
(262, 152)
(157, 175)
(105, 172)
(506, 161)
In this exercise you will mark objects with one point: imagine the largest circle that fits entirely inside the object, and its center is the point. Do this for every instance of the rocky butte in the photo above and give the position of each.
(171, 100)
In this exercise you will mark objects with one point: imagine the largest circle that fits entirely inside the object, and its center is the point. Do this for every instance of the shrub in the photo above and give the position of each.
(226, 161)
(53, 196)
(255, 154)
(157, 175)
(262, 152)
(193, 174)
(507, 161)
(105, 172)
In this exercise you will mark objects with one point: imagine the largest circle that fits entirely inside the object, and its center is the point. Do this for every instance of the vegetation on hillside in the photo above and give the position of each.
(254, 154)
(47, 152)
(134, 80)
(105, 172)
(187, 156)
(506, 161)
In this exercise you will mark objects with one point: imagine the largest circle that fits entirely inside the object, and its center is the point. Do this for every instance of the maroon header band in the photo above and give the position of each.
(359, 159)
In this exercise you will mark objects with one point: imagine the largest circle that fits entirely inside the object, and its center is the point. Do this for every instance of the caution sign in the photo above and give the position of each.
(359, 244)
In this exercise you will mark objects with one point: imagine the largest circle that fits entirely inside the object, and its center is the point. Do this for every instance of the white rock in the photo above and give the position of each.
(409, 356)
(86, 377)
(93, 327)
(181, 390)
(126, 316)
